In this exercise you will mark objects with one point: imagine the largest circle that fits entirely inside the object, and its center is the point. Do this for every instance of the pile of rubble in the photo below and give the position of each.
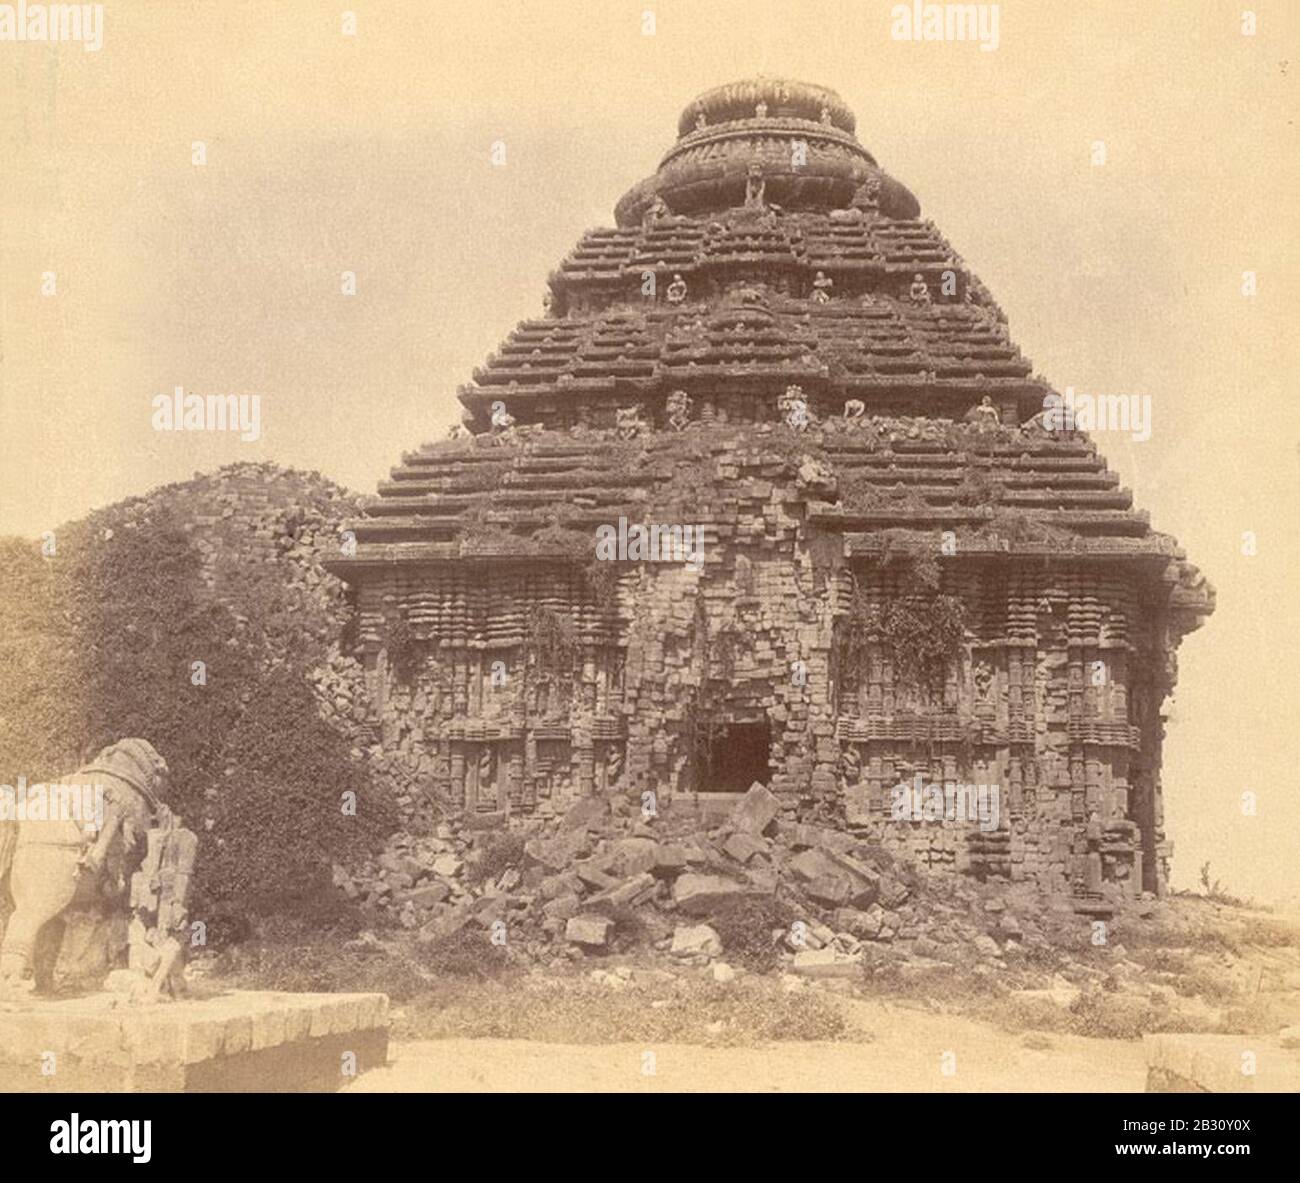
(606, 878)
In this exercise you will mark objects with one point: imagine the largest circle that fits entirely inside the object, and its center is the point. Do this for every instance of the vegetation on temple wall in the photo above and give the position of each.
(552, 641)
(921, 630)
(977, 487)
(1017, 526)
(715, 658)
(406, 651)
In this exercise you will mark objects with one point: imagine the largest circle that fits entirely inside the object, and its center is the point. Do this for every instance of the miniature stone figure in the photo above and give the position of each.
(986, 415)
(822, 284)
(655, 211)
(677, 290)
(628, 422)
(502, 420)
(793, 408)
(919, 292)
(679, 410)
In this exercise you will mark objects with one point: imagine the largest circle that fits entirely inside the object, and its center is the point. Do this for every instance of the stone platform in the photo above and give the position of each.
(234, 1041)
(1220, 1064)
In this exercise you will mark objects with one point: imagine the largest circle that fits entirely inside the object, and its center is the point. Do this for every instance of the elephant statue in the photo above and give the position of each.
(53, 862)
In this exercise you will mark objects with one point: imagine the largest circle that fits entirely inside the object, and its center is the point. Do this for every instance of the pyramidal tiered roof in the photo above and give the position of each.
(768, 251)
(795, 258)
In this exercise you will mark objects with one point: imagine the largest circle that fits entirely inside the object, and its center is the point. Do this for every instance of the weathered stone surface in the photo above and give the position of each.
(701, 894)
(826, 963)
(631, 856)
(589, 930)
(755, 811)
(237, 1041)
(636, 889)
(670, 857)
(743, 847)
(427, 896)
(585, 814)
(562, 907)
(696, 939)
(557, 853)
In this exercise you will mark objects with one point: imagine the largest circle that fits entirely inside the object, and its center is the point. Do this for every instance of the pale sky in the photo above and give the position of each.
(329, 153)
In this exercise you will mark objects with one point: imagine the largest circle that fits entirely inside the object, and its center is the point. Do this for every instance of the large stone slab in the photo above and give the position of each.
(756, 810)
(235, 1041)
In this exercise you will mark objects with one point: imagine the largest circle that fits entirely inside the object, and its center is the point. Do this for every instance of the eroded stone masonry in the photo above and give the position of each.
(907, 569)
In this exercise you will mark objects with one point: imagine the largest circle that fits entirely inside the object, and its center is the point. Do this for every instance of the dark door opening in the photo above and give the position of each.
(736, 756)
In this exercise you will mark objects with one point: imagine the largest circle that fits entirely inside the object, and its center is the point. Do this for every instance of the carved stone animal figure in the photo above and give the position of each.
(53, 861)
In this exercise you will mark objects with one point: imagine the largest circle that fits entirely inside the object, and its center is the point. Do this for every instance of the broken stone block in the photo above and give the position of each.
(755, 811)
(743, 847)
(637, 889)
(632, 856)
(827, 963)
(1009, 926)
(892, 892)
(865, 925)
(809, 864)
(828, 882)
(695, 940)
(447, 866)
(702, 894)
(670, 857)
(427, 896)
(586, 814)
(563, 907)
(565, 883)
(448, 923)
(723, 973)
(557, 853)
(592, 931)
(832, 890)
(592, 872)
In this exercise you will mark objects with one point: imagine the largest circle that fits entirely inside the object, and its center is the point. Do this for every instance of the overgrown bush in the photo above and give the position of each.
(745, 927)
(119, 634)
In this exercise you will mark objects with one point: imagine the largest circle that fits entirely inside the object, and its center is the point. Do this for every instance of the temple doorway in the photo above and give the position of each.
(738, 754)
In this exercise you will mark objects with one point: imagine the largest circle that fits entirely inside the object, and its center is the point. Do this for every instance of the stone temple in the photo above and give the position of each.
(909, 572)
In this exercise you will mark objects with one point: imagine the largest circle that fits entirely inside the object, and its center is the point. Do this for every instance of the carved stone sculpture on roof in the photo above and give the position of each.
(679, 410)
(854, 409)
(919, 293)
(793, 408)
(755, 186)
(502, 419)
(656, 211)
(628, 422)
(985, 415)
(677, 290)
(822, 285)
(867, 195)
